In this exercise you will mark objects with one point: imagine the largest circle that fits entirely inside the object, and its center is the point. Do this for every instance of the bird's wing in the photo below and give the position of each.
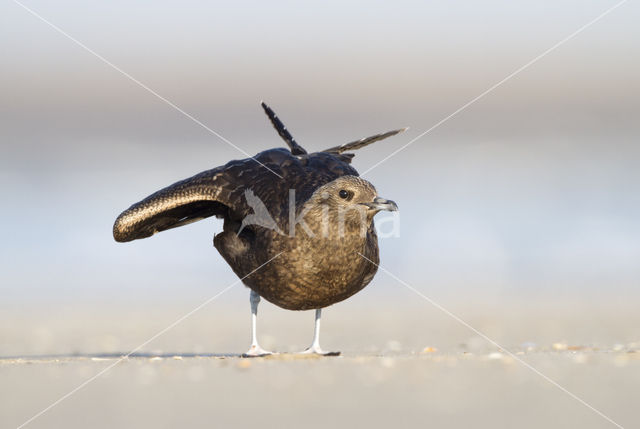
(296, 149)
(206, 194)
(363, 142)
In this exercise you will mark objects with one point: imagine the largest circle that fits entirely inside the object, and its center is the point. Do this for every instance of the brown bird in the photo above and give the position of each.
(296, 225)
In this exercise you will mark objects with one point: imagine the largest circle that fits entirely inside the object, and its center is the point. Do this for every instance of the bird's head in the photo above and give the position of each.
(346, 202)
(347, 192)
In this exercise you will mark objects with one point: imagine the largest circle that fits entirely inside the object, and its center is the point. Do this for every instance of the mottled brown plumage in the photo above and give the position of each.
(319, 265)
(319, 260)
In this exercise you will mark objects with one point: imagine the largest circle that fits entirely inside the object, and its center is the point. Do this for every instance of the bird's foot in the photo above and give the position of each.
(316, 350)
(256, 351)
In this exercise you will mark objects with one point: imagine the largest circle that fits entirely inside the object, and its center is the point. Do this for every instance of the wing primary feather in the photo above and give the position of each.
(296, 149)
(363, 142)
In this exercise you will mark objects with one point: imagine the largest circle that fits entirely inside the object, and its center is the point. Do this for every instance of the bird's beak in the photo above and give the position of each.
(382, 204)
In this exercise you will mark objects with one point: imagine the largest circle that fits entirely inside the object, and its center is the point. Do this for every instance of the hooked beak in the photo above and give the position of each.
(382, 204)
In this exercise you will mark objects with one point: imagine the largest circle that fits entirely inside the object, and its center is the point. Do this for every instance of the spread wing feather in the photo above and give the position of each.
(363, 142)
(206, 194)
(296, 149)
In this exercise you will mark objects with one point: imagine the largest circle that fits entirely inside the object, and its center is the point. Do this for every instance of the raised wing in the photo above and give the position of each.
(201, 196)
(363, 142)
(296, 149)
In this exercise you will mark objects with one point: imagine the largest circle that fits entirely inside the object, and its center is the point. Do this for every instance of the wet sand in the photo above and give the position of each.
(406, 365)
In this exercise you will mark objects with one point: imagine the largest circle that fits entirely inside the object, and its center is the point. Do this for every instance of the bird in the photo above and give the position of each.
(297, 227)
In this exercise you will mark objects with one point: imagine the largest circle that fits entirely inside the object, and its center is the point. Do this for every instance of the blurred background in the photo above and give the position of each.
(530, 193)
(520, 214)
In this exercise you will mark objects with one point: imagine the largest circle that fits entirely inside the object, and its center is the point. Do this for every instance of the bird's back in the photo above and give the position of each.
(299, 174)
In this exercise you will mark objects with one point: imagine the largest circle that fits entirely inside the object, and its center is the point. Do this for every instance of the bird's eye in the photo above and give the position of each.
(343, 194)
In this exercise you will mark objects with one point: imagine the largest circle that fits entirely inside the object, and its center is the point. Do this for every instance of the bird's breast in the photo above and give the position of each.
(313, 272)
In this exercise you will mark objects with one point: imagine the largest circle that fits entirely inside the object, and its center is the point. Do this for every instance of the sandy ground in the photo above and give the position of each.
(406, 365)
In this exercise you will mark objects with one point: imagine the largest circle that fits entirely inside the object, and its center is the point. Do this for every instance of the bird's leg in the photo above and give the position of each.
(255, 350)
(315, 348)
